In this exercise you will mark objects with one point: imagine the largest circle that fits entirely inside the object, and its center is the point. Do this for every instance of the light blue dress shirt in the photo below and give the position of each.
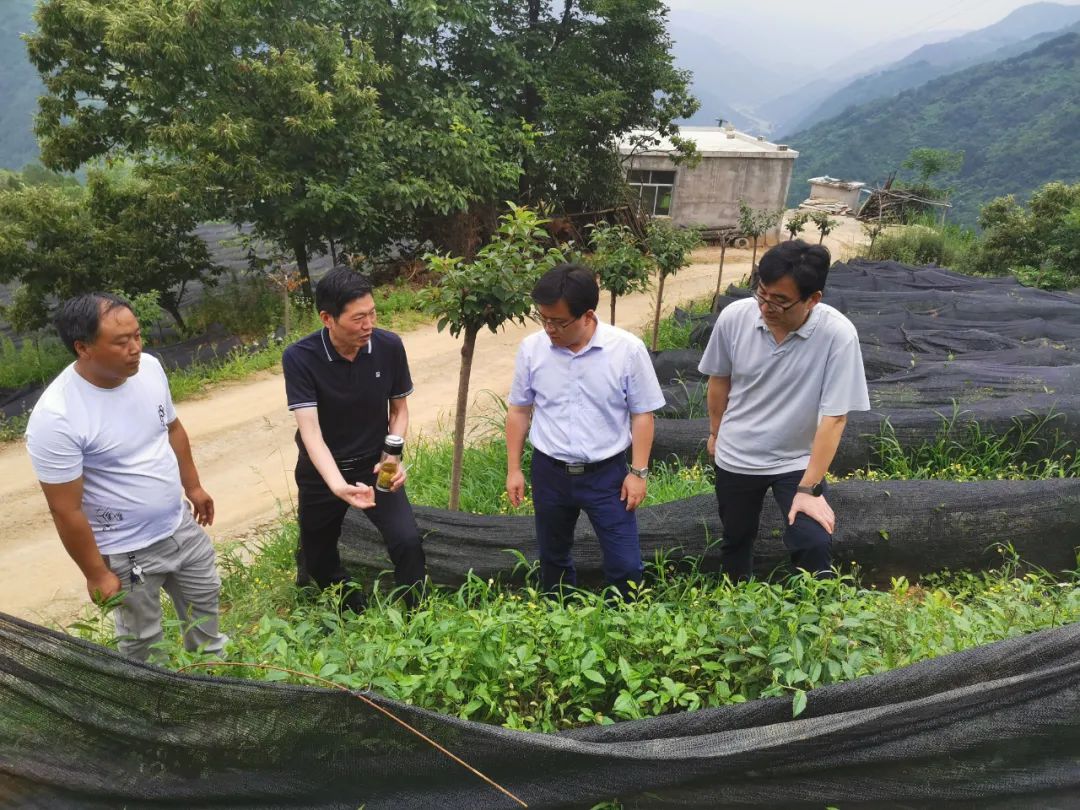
(582, 402)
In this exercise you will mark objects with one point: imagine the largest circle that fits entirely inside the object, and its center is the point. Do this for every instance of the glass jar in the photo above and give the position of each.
(393, 446)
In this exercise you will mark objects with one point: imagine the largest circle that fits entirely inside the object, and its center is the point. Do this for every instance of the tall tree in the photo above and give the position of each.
(271, 109)
(120, 233)
(580, 73)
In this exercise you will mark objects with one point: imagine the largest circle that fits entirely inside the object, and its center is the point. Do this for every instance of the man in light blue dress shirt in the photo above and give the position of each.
(589, 390)
(784, 372)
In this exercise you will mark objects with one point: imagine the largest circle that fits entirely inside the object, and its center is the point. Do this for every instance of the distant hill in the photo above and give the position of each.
(786, 111)
(1024, 29)
(1017, 120)
(20, 87)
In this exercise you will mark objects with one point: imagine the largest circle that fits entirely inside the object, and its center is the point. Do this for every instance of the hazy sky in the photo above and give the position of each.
(867, 18)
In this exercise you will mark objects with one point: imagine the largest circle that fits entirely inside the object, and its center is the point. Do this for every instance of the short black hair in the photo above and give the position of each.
(573, 283)
(79, 318)
(338, 288)
(807, 264)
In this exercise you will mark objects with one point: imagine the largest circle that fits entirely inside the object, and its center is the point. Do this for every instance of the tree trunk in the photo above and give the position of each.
(333, 253)
(656, 317)
(170, 305)
(467, 350)
(300, 250)
(613, 309)
(821, 238)
(753, 265)
(719, 273)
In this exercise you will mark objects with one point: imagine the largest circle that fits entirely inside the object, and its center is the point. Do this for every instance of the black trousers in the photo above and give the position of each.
(321, 514)
(740, 499)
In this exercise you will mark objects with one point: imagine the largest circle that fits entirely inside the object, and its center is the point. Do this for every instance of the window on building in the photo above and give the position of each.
(653, 188)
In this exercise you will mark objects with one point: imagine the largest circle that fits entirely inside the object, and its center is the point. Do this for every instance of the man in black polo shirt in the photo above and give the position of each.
(347, 386)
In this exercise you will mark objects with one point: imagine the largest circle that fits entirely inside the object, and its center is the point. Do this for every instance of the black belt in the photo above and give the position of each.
(580, 467)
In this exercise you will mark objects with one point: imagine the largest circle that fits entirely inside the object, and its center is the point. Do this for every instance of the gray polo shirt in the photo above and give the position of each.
(779, 392)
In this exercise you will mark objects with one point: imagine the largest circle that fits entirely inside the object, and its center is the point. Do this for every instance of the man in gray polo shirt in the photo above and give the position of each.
(784, 371)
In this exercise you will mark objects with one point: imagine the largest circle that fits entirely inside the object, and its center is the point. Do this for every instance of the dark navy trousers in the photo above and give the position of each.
(559, 497)
(740, 498)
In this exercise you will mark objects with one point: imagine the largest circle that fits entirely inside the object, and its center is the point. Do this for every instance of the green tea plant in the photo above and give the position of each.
(1029, 450)
(495, 654)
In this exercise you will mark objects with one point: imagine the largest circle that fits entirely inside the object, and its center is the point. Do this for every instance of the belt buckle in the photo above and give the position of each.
(575, 469)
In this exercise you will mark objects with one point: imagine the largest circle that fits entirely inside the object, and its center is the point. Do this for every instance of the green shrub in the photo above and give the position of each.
(242, 304)
(494, 654)
(922, 244)
(35, 360)
(674, 335)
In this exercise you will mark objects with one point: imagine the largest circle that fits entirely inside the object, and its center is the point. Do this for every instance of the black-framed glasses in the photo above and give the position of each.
(771, 305)
(547, 323)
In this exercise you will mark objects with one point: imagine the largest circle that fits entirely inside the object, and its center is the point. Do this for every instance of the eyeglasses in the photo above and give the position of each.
(548, 323)
(771, 305)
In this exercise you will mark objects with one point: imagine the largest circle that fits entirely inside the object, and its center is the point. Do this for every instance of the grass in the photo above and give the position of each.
(968, 453)
(675, 335)
(924, 243)
(483, 485)
(506, 656)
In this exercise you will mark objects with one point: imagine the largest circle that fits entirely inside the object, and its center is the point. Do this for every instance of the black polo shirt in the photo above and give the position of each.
(352, 398)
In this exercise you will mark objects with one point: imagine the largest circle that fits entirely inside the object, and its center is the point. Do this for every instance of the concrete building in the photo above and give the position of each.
(734, 166)
(845, 192)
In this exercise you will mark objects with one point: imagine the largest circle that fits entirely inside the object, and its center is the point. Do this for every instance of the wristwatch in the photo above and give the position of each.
(816, 490)
(642, 473)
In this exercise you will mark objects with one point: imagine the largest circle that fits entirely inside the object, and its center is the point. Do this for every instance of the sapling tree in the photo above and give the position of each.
(487, 292)
(621, 267)
(796, 223)
(756, 222)
(824, 223)
(669, 248)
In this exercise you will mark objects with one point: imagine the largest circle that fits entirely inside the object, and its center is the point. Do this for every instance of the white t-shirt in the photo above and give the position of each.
(117, 439)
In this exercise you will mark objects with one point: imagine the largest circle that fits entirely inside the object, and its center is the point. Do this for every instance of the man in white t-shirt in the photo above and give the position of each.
(112, 459)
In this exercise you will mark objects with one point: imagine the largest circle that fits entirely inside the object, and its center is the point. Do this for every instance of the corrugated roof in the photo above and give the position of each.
(714, 141)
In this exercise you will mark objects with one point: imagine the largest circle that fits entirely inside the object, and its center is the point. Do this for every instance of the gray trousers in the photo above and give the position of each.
(184, 566)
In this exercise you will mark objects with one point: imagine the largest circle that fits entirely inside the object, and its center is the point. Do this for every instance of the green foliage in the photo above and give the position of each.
(510, 657)
(756, 222)
(494, 287)
(621, 267)
(1030, 450)
(796, 223)
(278, 114)
(35, 360)
(582, 73)
(483, 488)
(675, 334)
(1041, 244)
(929, 163)
(669, 248)
(488, 291)
(824, 223)
(242, 304)
(120, 233)
(1015, 120)
(920, 245)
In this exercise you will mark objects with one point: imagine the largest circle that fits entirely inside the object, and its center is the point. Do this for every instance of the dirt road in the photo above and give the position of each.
(242, 435)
